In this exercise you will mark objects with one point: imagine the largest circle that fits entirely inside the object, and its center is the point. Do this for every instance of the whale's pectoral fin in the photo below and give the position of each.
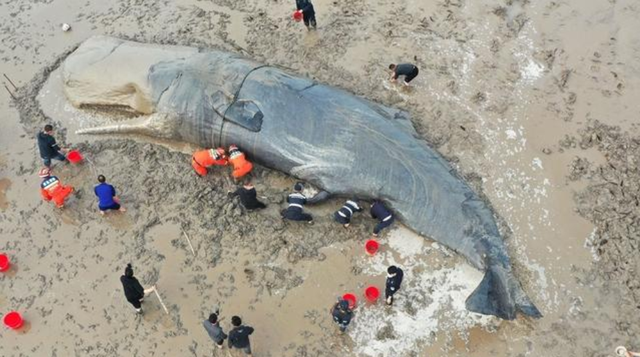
(501, 295)
(319, 197)
(155, 125)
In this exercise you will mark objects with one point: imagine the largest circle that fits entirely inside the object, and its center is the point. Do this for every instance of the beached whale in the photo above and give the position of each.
(344, 144)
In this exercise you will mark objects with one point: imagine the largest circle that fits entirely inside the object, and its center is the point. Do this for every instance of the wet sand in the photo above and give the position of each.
(534, 103)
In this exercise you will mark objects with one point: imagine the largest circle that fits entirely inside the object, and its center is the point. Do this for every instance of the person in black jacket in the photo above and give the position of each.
(394, 279)
(239, 336)
(296, 201)
(384, 217)
(48, 147)
(408, 70)
(344, 214)
(308, 13)
(133, 291)
(248, 196)
(342, 314)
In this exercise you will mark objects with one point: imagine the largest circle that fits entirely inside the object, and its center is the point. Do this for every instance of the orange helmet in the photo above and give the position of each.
(44, 172)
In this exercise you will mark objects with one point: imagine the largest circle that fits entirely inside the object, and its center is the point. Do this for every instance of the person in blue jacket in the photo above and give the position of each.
(382, 214)
(308, 13)
(107, 199)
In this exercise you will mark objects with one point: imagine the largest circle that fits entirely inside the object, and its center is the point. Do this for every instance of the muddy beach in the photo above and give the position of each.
(535, 104)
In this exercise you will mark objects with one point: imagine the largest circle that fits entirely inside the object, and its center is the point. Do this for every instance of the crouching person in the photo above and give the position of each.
(52, 188)
(342, 314)
(344, 214)
(296, 201)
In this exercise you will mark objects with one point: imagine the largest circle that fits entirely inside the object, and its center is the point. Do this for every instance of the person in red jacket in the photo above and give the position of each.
(52, 189)
(203, 159)
(237, 159)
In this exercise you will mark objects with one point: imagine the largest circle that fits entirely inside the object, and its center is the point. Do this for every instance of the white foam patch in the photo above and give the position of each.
(429, 301)
(405, 244)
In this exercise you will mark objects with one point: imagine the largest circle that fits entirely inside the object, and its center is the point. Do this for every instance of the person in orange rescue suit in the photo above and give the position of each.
(52, 189)
(237, 159)
(203, 159)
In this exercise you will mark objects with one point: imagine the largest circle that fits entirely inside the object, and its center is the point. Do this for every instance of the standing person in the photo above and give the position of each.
(296, 201)
(133, 291)
(308, 13)
(384, 217)
(214, 330)
(239, 336)
(248, 196)
(203, 159)
(52, 188)
(394, 279)
(408, 70)
(344, 214)
(342, 314)
(107, 199)
(237, 159)
(48, 147)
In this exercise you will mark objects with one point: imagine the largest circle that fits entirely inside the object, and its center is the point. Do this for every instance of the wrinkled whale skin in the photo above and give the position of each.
(344, 144)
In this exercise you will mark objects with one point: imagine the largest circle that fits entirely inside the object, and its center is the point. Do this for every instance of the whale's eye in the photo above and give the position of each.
(246, 114)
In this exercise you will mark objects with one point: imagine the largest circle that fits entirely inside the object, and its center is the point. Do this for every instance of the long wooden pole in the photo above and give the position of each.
(14, 86)
(189, 241)
(161, 302)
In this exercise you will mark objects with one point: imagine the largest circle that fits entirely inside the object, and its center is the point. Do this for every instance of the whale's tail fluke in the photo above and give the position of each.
(500, 294)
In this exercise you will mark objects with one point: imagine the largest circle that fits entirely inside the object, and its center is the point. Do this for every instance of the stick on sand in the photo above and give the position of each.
(160, 299)
(189, 241)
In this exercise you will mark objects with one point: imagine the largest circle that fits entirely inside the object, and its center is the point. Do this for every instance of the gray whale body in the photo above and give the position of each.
(344, 144)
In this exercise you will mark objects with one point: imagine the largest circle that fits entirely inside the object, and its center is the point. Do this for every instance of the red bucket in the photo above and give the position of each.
(13, 320)
(371, 246)
(351, 299)
(297, 15)
(372, 293)
(74, 156)
(5, 264)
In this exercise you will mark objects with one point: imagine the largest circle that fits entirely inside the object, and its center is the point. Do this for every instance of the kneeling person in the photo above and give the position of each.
(204, 159)
(107, 199)
(237, 159)
(344, 214)
(248, 196)
(296, 201)
(52, 188)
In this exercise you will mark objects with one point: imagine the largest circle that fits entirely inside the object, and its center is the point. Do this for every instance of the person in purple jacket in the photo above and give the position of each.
(107, 199)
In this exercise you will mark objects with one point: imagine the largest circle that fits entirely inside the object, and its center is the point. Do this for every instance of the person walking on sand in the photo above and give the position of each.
(344, 214)
(239, 336)
(408, 70)
(394, 279)
(623, 352)
(248, 196)
(308, 13)
(107, 199)
(48, 147)
(52, 189)
(212, 325)
(133, 291)
(384, 217)
(296, 201)
(342, 314)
